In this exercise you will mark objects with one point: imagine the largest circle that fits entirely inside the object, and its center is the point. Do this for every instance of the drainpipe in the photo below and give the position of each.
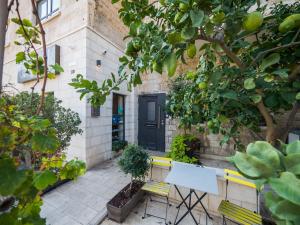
(3, 23)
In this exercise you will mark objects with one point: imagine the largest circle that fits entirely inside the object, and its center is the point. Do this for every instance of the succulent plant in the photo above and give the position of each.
(280, 169)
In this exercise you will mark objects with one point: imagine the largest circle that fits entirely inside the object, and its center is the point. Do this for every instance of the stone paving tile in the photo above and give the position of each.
(83, 202)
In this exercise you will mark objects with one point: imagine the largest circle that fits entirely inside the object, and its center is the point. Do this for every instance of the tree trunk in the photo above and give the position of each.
(3, 23)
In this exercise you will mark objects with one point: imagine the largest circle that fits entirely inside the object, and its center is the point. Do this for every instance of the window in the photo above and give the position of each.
(151, 111)
(47, 7)
(118, 117)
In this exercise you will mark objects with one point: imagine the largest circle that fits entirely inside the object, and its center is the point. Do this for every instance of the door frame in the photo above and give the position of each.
(162, 102)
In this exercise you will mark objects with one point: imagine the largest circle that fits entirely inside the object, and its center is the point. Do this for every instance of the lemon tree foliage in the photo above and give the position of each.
(280, 169)
(248, 59)
(30, 155)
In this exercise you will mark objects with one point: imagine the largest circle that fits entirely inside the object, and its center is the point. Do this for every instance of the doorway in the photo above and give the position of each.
(151, 125)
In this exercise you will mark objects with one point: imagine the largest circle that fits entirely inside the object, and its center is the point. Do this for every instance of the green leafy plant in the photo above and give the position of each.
(119, 145)
(30, 145)
(65, 121)
(248, 62)
(134, 161)
(182, 146)
(21, 138)
(280, 169)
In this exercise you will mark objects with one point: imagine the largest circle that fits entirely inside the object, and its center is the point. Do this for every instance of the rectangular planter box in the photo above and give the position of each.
(120, 214)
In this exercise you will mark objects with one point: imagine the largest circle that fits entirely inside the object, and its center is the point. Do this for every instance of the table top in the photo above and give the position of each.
(193, 176)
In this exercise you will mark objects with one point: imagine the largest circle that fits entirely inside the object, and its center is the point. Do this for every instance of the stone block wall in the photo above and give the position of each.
(99, 129)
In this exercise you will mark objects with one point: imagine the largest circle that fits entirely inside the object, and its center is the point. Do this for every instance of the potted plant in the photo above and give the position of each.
(134, 161)
(118, 146)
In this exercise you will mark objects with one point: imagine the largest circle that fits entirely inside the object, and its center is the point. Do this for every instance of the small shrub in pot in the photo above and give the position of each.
(134, 161)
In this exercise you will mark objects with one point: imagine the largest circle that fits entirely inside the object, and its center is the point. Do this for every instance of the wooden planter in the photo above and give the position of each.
(119, 214)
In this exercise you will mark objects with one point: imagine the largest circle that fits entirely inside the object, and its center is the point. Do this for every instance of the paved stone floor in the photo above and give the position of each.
(83, 202)
(135, 217)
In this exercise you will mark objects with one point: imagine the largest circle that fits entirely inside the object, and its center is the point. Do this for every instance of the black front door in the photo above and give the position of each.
(151, 133)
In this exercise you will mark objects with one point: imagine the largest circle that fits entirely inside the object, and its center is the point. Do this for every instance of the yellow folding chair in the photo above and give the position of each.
(158, 188)
(234, 212)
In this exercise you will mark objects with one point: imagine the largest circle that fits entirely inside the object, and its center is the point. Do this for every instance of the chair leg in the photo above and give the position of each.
(167, 205)
(224, 220)
(145, 212)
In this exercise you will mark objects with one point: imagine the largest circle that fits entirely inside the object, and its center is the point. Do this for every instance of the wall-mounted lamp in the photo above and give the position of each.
(98, 63)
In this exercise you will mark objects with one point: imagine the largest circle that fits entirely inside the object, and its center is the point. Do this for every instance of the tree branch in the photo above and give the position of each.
(3, 24)
(262, 54)
(225, 48)
(293, 75)
(44, 45)
(289, 122)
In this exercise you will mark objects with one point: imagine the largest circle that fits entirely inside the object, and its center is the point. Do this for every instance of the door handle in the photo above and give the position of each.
(158, 119)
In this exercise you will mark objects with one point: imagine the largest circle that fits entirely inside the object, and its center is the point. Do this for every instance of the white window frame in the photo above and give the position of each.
(50, 12)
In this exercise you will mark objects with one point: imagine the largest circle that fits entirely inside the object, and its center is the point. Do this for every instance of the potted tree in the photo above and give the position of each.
(134, 161)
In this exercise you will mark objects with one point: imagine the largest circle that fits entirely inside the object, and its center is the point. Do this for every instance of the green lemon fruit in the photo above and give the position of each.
(177, 17)
(218, 18)
(171, 64)
(137, 43)
(253, 21)
(174, 38)
(202, 85)
(286, 25)
(191, 50)
(183, 7)
(157, 67)
(210, 124)
(289, 23)
(190, 75)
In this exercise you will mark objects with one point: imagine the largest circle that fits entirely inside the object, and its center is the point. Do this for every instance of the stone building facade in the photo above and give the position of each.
(89, 31)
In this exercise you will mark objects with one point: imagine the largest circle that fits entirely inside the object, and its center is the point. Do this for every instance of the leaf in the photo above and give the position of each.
(10, 178)
(292, 163)
(298, 96)
(286, 210)
(20, 57)
(293, 147)
(197, 17)
(250, 166)
(261, 161)
(44, 143)
(43, 179)
(188, 32)
(249, 84)
(27, 22)
(269, 61)
(9, 218)
(114, 1)
(256, 98)
(73, 169)
(57, 68)
(271, 101)
(283, 73)
(230, 94)
(265, 152)
(287, 187)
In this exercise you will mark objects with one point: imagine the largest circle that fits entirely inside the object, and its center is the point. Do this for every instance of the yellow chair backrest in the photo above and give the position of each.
(236, 177)
(161, 161)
